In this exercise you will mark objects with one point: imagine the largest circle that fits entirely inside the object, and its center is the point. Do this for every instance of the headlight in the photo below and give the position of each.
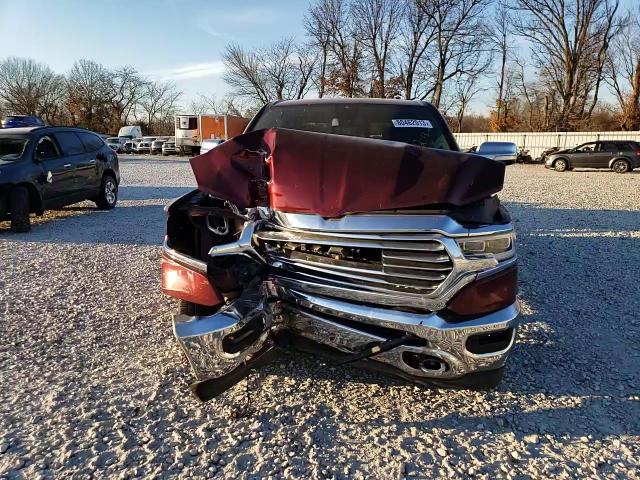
(500, 246)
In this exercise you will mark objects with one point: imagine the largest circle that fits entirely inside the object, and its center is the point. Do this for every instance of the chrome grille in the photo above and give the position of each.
(411, 263)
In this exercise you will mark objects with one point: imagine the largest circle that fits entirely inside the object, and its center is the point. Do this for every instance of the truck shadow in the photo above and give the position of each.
(577, 347)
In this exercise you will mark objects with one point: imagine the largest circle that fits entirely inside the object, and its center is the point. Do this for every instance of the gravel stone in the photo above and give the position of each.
(87, 353)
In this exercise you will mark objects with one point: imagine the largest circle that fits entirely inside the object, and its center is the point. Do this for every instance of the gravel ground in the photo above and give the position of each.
(93, 384)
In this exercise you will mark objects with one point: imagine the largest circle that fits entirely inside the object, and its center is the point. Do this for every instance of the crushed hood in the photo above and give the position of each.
(334, 175)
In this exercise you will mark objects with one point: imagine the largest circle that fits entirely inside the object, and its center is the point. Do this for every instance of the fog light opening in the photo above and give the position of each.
(489, 342)
(425, 363)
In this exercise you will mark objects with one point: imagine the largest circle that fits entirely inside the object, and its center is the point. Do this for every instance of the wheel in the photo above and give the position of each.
(108, 196)
(620, 166)
(560, 165)
(19, 205)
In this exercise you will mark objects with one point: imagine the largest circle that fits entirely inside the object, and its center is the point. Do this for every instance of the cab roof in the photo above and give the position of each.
(47, 128)
(18, 130)
(343, 100)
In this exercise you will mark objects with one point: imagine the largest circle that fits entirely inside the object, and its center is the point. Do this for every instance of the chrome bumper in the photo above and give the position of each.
(320, 319)
(341, 316)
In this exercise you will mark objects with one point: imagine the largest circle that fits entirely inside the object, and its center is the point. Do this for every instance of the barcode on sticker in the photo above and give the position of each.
(411, 123)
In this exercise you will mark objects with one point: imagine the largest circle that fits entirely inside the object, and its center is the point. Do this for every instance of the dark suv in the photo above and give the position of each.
(16, 121)
(621, 156)
(50, 167)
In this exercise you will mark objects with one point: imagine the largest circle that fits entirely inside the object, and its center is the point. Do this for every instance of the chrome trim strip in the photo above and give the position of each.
(383, 223)
(181, 258)
(403, 242)
(503, 265)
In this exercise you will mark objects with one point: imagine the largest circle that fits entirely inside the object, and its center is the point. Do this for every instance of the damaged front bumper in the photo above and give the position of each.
(346, 307)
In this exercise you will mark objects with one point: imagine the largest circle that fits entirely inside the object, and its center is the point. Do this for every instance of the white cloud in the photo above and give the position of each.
(187, 72)
(209, 22)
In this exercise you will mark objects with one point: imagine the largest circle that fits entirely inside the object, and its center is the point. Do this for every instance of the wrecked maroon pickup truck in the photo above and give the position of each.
(349, 228)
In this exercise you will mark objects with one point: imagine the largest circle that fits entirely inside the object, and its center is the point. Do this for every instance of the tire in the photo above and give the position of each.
(19, 205)
(560, 165)
(620, 166)
(108, 195)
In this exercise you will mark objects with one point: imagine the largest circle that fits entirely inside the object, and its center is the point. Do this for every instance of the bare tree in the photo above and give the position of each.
(417, 34)
(159, 104)
(378, 23)
(346, 49)
(459, 38)
(127, 88)
(499, 34)
(569, 44)
(88, 95)
(30, 88)
(467, 85)
(306, 67)
(244, 73)
(622, 72)
(280, 71)
(204, 104)
(319, 31)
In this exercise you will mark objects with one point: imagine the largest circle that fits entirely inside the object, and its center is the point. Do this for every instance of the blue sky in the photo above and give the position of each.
(179, 40)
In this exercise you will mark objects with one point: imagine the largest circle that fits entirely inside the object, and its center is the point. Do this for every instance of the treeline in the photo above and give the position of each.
(89, 95)
(546, 63)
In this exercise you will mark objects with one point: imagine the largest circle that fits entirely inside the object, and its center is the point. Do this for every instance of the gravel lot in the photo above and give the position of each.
(92, 383)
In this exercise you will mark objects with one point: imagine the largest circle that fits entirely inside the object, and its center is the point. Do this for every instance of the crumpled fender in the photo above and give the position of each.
(334, 175)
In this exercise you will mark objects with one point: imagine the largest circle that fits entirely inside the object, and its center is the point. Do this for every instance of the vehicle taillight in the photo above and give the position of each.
(638, 153)
(186, 284)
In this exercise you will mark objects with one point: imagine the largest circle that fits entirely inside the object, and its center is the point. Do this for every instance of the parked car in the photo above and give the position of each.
(545, 153)
(621, 156)
(353, 228)
(18, 121)
(116, 144)
(169, 147)
(156, 145)
(144, 145)
(128, 146)
(505, 152)
(209, 143)
(49, 167)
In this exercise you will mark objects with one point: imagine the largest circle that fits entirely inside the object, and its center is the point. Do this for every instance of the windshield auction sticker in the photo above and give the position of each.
(411, 123)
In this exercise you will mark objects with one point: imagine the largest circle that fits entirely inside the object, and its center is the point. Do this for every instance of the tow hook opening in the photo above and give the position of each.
(489, 342)
(424, 362)
(245, 337)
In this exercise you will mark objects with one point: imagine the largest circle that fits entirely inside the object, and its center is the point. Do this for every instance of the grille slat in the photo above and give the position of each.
(401, 264)
(426, 246)
(415, 256)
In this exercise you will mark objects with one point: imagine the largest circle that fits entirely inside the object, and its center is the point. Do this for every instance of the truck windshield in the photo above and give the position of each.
(12, 148)
(417, 125)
